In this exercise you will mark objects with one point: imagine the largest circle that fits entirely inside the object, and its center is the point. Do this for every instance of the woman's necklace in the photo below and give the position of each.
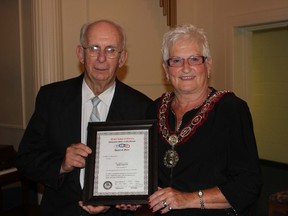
(174, 138)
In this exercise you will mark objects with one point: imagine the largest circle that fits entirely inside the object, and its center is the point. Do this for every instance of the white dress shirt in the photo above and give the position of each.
(87, 106)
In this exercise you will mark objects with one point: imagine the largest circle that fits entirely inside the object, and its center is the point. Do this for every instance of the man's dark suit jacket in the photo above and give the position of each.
(55, 124)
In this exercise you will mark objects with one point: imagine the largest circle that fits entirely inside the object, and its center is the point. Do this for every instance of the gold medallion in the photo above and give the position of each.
(171, 158)
(173, 140)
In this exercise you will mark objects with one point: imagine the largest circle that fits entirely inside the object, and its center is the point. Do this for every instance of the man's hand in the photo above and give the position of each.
(129, 207)
(75, 157)
(94, 209)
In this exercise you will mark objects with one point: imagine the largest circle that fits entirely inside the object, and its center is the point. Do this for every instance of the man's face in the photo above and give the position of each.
(101, 69)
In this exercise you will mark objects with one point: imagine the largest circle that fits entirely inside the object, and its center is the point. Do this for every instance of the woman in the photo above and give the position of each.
(208, 160)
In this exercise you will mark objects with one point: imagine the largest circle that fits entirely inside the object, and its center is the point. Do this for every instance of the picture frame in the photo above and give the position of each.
(122, 168)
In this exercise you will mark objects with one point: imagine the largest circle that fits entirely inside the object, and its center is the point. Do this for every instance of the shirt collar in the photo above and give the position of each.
(105, 97)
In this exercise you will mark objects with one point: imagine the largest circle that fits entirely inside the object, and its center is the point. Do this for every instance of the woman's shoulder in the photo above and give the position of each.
(233, 100)
(230, 104)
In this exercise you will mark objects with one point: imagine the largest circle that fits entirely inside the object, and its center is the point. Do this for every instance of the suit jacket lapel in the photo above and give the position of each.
(70, 118)
(71, 113)
(115, 111)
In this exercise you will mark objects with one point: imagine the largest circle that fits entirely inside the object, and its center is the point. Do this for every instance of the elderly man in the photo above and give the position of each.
(53, 151)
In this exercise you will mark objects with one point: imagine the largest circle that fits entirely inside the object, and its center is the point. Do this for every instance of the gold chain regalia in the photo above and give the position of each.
(174, 138)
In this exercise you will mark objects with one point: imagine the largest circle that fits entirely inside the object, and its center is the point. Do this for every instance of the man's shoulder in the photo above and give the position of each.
(63, 84)
(60, 89)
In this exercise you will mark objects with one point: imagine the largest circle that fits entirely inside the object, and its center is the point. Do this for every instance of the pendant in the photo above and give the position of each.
(173, 140)
(171, 158)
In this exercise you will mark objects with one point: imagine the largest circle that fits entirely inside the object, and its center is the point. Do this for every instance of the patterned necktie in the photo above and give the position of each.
(95, 115)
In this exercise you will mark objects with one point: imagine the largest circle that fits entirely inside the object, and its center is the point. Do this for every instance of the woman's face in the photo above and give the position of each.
(187, 79)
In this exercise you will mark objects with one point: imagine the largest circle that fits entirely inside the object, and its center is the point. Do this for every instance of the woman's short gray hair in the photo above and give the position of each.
(185, 31)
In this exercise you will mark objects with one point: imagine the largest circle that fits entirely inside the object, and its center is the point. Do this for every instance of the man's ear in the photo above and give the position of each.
(123, 58)
(80, 53)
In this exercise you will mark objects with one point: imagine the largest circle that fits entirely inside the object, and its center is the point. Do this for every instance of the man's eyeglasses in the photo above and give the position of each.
(94, 51)
(192, 60)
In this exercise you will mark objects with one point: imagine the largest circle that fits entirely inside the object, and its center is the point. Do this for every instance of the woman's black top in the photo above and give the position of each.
(222, 152)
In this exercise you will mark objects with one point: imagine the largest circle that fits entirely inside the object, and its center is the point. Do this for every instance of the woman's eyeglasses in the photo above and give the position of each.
(192, 60)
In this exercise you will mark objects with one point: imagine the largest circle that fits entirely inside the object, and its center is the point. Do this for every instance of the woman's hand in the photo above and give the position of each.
(168, 199)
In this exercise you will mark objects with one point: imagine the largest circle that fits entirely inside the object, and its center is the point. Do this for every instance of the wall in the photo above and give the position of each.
(144, 25)
(24, 66)
(9, 52)
(229, 26)
(16, 81)
(225, 22)
(221, 19)
(269, 101)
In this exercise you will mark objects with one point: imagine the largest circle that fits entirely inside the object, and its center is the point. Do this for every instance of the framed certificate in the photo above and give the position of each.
(123, 165)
